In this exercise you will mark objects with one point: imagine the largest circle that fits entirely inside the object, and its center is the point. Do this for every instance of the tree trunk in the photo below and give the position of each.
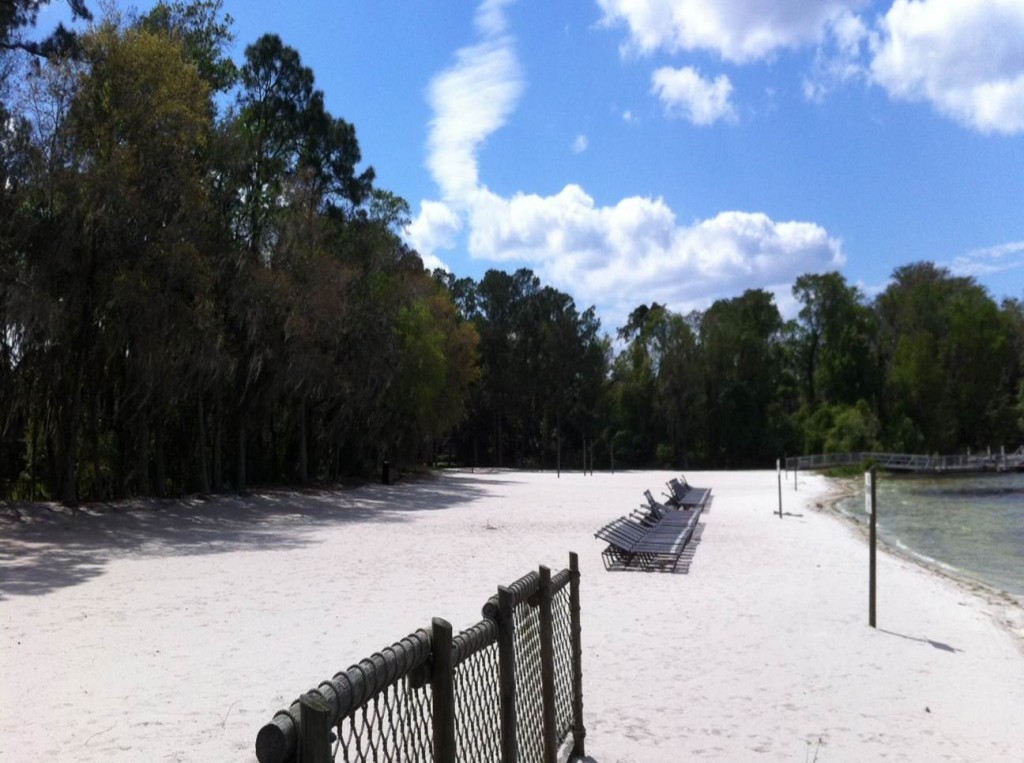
(142, 456)
(158, 455)
(218, 451)
(202, 473)
(97, 460)
(32, 451)
(303, 454)
(240, 473)
(69, 432)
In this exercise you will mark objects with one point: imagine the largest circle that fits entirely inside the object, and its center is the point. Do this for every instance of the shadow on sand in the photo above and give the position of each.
(936, 644)
(45, 547)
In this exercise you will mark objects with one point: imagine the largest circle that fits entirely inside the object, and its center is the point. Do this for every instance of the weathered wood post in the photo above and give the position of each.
(778, 473)
(507, 674)
(870, 496)
(579, 732)
(442, 686)
(547, 667)
(315, 722)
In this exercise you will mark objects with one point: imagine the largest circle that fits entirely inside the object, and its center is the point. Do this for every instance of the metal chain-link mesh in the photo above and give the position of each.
(477, 708)
(561, 634)
(393, 727)
(529, 687)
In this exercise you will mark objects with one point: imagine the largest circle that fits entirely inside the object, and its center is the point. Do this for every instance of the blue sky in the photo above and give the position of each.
(682, 150)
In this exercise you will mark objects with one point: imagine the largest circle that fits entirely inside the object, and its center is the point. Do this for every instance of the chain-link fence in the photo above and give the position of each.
(509, 689)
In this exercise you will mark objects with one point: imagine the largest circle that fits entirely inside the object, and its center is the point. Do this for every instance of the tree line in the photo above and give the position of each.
(931, 364)
(202, 287)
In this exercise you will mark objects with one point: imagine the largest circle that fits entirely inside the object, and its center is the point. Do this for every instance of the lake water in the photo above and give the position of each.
(972, 525)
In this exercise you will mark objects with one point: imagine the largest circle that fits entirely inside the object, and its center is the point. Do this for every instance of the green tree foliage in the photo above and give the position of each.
(543, 366)
(204, 33)
(835, 341)
(949, 359)
(192, 300)
(17, 16)
(742, 365)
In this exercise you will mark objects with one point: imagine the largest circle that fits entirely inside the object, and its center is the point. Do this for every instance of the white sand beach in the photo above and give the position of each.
(174, 631)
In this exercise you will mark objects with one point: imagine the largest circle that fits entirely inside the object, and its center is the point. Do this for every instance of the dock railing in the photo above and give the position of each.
(507, 689)
(907, 462)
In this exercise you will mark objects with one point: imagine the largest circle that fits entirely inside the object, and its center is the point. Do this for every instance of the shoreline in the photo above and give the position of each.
(1005, 608)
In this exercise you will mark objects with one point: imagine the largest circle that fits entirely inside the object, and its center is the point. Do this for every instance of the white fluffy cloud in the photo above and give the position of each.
(966, 57)
(610, 255)
(737, 30)
(637, 250)
(435, 227)
(688, 95)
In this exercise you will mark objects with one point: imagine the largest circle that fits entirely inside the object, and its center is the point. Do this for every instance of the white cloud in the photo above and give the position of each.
(737, 30)
(966, 57)
(580, 144)
(628, 116)
(471, 100)
(993, 259)
(637, 251)
(840, 58)
(688, 95)
(435, 227)
(610, 255)
(490, 17)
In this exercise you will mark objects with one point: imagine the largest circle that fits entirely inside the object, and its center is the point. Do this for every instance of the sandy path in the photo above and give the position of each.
(175, 631)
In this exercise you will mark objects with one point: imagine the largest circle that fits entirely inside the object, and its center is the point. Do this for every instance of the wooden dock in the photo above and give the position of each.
(906, 462)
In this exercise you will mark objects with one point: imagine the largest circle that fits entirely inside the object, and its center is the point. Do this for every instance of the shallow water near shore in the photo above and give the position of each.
(973, 526)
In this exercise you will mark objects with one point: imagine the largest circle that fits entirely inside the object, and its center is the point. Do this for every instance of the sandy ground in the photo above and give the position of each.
(173, 631)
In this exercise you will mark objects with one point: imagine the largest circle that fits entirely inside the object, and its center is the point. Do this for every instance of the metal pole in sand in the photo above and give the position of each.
(871, 506)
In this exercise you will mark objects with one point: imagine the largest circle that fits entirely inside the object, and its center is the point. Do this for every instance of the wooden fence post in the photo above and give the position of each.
(778, 471)
(579, 732)
(442, 686)
(507, 674)
(315, 722)
(547, 666)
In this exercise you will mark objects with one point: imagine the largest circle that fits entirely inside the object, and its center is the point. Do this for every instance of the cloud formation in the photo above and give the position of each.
(579, 145)
(609, 255)
(965, 57)
(687, 95)
(471, 100)
(739, 31)
(993, 259)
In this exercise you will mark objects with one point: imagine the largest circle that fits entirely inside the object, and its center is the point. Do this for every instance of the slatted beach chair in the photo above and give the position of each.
(656, 545)
(663, 547)
(685, 495)
(667, 510)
